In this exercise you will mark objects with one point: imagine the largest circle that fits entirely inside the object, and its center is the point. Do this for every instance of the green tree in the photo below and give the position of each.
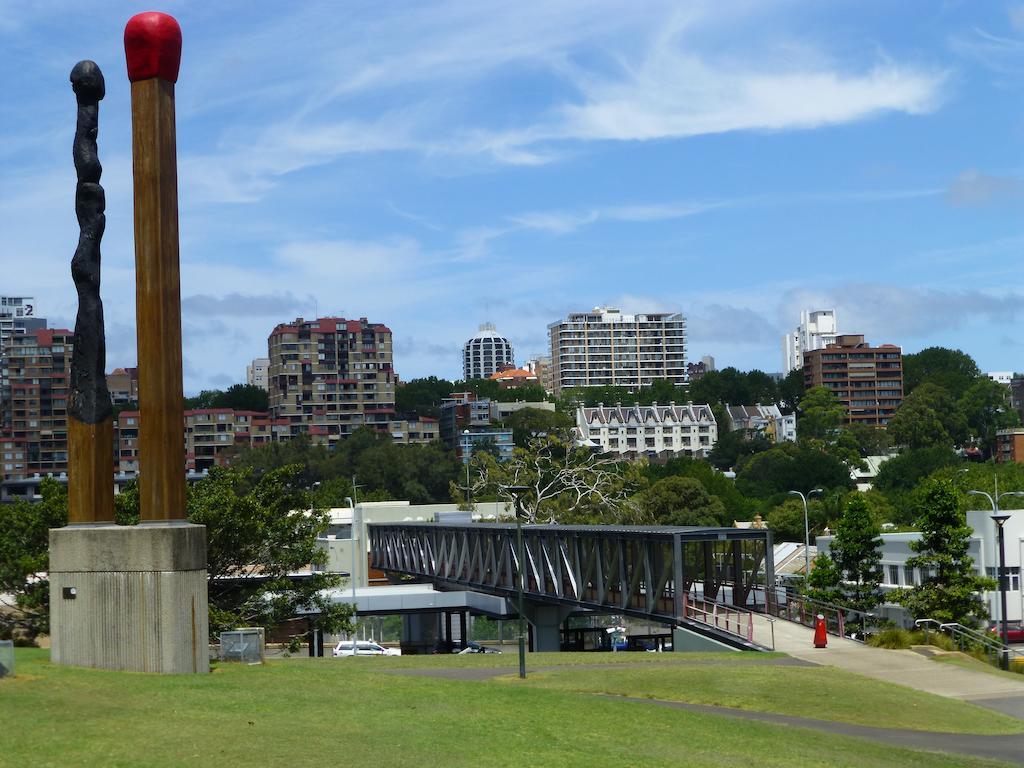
(422, 397)
(529, 423)
(24, 559)
(927, 418)
(950, 369)
(734, 445)
(986, 407)
(790, 467)
(240, 397)
(870, 441)
(257, 532)
(786, 519)
(856, 551)
(791, 390)
(680, 501)
(825, 582)
(949, 590)
(268, 532)
(735, 387)
(820, 414)
(737, 506)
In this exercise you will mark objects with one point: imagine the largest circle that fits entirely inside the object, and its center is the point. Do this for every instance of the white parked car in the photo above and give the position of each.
(364, 648)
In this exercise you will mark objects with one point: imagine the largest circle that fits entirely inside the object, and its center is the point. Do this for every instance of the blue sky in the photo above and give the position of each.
(433, 165)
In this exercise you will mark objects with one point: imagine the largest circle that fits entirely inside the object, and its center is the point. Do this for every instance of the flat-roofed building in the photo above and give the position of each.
(1010, 445)
(329, 377)
(256, 372)
(606, 347)
(817, 329)
(39, 369)
(867, 380)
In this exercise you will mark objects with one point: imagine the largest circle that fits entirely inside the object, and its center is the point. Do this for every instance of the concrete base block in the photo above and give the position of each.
(130, 598)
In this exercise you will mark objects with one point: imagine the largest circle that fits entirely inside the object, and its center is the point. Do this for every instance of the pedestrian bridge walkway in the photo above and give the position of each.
(675, 575)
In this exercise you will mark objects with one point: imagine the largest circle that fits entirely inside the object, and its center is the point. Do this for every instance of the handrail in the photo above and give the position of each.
(963, 636)
(804, 611)
(732, 619)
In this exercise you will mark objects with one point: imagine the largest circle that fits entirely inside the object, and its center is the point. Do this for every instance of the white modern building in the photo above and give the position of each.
(486, 353)
(984, 549)
(606, 347)
(817, 330)
(256, 372)
(641, 430)
(765, 419)
(1001, 377)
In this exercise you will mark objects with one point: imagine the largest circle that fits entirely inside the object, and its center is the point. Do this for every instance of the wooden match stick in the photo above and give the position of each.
(152, 43)
(90, 415)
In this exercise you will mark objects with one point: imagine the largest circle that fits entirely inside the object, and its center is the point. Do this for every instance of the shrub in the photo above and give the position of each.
(892, 637)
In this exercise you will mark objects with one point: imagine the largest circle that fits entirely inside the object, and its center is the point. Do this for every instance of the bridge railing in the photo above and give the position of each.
(727, 618)
(839, 621)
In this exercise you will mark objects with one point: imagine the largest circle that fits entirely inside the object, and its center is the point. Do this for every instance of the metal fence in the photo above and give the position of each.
(245, 645)
(839, 621)
(6, 658)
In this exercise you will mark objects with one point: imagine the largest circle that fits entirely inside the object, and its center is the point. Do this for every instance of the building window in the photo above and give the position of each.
(894, 575)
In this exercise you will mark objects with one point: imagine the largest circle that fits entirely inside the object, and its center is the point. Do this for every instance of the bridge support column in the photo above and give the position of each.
(547, 623)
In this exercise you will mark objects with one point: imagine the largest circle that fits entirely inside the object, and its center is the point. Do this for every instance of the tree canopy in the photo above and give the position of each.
(928, 417)
(680, 501)
(950, 369)
(948, 589)
(240, 397)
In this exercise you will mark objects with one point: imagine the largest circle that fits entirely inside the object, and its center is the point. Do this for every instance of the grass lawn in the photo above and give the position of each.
(316, 712)
(825, 693)
(976, 665)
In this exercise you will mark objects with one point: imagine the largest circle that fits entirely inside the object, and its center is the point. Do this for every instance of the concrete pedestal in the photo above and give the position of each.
(129, 597)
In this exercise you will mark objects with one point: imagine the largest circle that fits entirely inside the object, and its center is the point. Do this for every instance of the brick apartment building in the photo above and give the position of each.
(867, 380)
(211, 435)
(35, 438)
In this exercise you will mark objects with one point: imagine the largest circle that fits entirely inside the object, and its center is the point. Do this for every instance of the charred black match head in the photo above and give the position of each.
(87, 81)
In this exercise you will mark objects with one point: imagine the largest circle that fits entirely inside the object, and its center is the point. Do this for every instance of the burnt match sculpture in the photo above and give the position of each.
(130, 597)
(90, 415)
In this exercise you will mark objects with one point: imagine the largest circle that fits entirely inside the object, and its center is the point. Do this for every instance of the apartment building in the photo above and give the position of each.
(329, 377)
(1010, 445)
(123, 385)
(256, 372)
(35, 436)
(817, 329)
(867, 380)
(18, 316)
(767, 420)
(541, 368)
(487, 352)
(606, 347)
(210, 437)
(649, 430)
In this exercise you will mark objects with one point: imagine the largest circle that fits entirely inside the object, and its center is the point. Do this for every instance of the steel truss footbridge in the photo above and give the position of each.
(707, 580)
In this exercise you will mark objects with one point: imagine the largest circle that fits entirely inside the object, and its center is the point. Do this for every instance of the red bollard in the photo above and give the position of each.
(820, 634)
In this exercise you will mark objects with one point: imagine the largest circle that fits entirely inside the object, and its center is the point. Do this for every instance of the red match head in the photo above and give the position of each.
(152, 46)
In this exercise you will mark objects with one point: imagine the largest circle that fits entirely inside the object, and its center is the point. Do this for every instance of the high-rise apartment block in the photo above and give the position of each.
(817, 330)
(35, 437)
(608, 348)
(17, 317)
(330, 376)
(256, 373)
(867, 380)
(486, 353)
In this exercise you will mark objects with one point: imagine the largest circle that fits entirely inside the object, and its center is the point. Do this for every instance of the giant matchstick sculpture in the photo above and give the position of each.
(130, 597)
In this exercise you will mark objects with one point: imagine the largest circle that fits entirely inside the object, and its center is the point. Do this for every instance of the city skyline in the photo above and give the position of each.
(432, 167)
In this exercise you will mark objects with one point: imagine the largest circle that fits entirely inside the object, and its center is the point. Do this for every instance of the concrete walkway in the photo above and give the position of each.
(902, 667)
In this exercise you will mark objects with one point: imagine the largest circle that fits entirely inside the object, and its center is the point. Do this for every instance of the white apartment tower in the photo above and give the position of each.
(817, 330)
(608, 348)
(256, 373)
(486, 353)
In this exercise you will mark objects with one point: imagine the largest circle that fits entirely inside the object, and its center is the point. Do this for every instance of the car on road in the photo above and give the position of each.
(474, 647)
(1014, 631)
(363, 648)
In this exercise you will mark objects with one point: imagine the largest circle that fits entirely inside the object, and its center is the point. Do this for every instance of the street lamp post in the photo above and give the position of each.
(1000, 520)
(807, 531)
(466, 456)
(517, 491)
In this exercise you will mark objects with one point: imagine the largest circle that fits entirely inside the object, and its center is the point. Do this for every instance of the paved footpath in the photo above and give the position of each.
(907, 668)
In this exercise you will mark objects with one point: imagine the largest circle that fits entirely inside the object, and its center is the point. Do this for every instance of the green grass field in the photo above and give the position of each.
(300, 712)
